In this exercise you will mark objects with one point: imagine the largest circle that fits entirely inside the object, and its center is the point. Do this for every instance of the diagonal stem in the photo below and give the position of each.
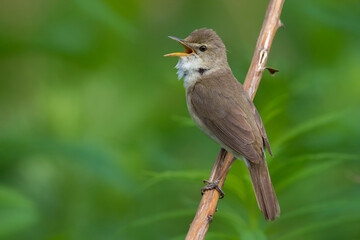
(208, 204)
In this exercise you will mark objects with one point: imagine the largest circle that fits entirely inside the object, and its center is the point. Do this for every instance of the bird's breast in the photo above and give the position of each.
(197, 120)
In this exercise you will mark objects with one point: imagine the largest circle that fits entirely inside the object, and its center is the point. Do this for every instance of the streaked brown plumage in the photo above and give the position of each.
(221, 107)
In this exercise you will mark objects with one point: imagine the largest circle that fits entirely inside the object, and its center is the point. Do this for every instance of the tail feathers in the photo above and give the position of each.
(264, 190)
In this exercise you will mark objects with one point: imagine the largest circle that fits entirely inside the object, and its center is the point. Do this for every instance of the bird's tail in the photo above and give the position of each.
(264, 190)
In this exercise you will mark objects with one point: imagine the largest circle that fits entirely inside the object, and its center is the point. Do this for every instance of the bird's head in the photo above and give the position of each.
(203, 48)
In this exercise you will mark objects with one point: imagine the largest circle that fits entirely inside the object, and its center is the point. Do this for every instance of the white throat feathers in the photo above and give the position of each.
(188, 68)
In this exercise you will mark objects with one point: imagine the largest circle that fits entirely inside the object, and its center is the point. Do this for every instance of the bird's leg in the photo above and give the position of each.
(212, 185)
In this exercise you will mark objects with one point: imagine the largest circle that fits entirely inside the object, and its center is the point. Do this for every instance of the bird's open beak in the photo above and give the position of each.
(188, 49)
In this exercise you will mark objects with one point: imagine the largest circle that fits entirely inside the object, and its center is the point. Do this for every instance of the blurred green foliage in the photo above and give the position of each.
(96, 141)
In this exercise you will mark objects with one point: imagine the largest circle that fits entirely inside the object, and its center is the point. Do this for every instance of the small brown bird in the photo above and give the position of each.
(222, 109)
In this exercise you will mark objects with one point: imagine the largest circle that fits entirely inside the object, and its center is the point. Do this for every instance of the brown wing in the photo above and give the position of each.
(259, 124)
(229, 116)
(261, 127)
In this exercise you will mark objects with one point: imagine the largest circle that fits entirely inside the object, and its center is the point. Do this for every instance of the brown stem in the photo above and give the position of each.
(208, 204)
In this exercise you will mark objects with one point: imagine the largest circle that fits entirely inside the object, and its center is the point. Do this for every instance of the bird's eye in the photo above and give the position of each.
(203, 48)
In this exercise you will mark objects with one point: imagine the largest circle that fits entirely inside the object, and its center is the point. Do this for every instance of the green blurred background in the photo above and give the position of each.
(96, 141)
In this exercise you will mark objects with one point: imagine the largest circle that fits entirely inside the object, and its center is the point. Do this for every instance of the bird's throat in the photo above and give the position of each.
(190, 68)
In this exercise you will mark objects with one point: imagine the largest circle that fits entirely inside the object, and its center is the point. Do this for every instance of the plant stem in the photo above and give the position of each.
(208, 204)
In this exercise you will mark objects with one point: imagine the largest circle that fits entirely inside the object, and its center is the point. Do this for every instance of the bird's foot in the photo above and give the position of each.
(212, 185)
